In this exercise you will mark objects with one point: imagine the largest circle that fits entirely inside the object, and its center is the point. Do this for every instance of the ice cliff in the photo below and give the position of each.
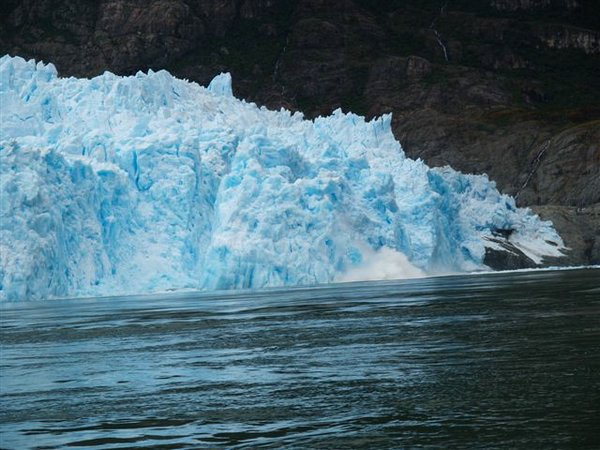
(117, 185)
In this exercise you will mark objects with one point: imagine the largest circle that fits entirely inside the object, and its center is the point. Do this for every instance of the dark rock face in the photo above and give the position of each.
(580, 229)
(565, 169)
(505, 87)
(509, 257)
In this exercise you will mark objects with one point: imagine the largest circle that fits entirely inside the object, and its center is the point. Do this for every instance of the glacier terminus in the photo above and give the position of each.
(122, 185)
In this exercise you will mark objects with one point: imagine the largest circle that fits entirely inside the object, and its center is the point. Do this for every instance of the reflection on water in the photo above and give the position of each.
(498, 360)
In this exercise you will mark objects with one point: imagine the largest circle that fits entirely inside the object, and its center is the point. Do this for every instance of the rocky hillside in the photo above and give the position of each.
(506, 87)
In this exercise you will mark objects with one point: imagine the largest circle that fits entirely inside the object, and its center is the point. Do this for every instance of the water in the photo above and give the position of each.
(496, 361)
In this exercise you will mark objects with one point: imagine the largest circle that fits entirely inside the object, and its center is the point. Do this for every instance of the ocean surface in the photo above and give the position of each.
(502, 360)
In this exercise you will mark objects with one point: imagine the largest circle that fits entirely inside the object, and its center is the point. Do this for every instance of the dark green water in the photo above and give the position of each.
(489, 361)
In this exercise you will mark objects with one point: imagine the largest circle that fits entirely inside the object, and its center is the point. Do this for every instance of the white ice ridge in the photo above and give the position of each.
(119, 185)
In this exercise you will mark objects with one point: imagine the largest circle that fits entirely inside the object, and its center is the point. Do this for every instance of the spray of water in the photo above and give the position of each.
(383, 264)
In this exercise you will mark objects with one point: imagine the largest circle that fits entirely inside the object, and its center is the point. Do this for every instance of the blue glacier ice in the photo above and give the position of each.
(119, 185)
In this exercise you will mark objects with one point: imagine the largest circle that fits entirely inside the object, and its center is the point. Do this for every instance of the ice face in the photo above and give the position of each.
(118, 185)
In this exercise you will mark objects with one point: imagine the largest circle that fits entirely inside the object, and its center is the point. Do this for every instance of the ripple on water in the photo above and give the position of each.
(493, 360)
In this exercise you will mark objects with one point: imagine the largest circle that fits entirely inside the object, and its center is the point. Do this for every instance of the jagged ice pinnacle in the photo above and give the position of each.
(119, 185)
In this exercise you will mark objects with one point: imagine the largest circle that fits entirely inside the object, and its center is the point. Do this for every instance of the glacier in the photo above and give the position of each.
(120, 185)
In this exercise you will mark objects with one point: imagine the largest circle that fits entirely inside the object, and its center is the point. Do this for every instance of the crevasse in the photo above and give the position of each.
(120, 185)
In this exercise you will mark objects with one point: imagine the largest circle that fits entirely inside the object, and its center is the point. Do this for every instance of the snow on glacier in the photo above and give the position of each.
(118, 185)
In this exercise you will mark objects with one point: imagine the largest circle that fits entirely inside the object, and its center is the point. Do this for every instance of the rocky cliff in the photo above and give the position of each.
(506, 87)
